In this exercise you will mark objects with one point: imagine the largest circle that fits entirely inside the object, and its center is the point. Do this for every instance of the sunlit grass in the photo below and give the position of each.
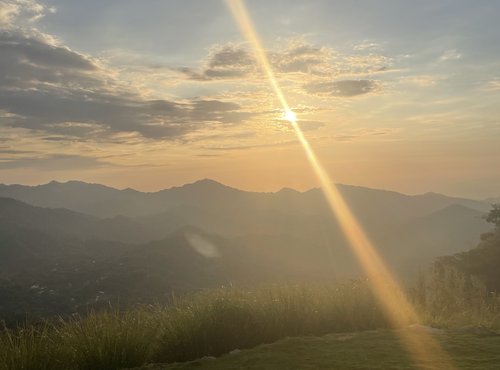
(208, 323)
(110, 340)
(214, 323)
(32, 348)
(447, 297)
(205, 324)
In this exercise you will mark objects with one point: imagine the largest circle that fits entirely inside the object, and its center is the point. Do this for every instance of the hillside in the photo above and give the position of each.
(481, 262)
(63, 222)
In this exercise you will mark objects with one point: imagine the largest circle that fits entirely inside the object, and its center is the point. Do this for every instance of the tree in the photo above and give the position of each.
(494, 215)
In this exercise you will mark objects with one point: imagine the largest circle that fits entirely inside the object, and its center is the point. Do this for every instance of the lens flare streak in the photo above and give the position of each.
(423, 348)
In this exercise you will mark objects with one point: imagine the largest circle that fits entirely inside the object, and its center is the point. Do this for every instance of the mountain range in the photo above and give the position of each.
(65, 246)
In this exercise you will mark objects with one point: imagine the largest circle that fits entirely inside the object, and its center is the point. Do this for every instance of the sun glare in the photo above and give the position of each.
(399, 311)
(289, 115)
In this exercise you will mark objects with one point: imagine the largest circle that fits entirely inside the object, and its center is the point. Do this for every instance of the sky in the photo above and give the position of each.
(400, 95)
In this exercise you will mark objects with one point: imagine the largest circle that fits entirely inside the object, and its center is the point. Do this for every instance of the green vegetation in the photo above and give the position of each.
(211, 323)
(448, 296)
(380, 350)
(464, 289)
(206, 324)
(493, 215)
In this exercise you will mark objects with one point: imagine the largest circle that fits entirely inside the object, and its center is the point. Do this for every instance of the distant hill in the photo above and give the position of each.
(418, 242)
(63, 222)
(92, 199)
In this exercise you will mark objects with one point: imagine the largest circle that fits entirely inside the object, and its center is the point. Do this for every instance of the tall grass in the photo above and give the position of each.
(205, 324)
(448, 297)
(109, 340)
(32, 348)
(215, 322)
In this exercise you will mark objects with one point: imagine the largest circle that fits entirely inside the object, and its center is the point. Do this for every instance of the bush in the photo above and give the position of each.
(449, 296)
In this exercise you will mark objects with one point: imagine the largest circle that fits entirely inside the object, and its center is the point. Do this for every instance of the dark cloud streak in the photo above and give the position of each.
(342, 88)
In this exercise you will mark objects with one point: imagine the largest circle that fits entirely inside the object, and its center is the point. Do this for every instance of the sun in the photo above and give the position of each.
(289, 115)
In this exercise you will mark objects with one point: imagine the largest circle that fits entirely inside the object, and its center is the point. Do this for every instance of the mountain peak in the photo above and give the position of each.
(206, 181)
(456, 210)
(286, 190)
(207, 184)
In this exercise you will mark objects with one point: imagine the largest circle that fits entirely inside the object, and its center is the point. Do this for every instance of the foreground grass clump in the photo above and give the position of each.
(206, 324)
(109, 340)
(31, 348)
(214, 323)
(100, 341)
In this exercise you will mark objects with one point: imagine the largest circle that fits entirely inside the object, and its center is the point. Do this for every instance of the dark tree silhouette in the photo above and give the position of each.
(494, 215)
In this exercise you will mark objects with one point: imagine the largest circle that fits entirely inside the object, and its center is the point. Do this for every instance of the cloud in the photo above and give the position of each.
(298, 60)
(17, 11)
(342, 88)
(31, 58)
(51, 162)
(14, 151)
(367, 45)
(452, 54)
(302, 57)
(223, 62)
(423, 80)
(50, 88)
(310, 125)
(235, 61)
(356, 134)
(493, 85)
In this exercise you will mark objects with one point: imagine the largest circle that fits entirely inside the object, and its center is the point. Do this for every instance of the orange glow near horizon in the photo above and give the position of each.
(422, 347)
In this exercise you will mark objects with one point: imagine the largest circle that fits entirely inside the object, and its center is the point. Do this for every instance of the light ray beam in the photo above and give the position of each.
(423, 348)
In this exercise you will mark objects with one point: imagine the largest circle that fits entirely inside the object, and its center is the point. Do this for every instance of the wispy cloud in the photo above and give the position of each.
(342, 88)
(19, 11)
(51, 162)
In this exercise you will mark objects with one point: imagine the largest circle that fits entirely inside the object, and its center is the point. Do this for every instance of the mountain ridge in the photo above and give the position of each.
(213, 182)
(103, 201)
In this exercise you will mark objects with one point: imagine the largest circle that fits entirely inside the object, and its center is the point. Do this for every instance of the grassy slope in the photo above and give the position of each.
(365, 350)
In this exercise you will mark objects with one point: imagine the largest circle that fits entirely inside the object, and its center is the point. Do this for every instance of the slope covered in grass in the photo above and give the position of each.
(370, 350)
